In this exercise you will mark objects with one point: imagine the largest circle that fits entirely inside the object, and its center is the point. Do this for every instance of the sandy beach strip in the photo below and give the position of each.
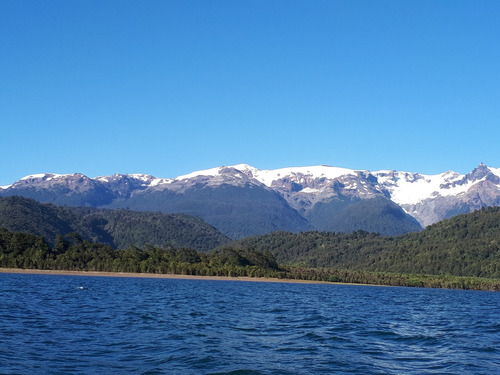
(157, 276)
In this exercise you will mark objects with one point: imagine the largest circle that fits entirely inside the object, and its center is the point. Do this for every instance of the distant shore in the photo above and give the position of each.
(493, 287)
(160, 276)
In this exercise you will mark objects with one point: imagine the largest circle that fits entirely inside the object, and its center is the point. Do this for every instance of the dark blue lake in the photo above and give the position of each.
(104, 325)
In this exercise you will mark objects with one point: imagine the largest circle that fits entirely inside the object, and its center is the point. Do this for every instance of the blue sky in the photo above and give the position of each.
(169, 87)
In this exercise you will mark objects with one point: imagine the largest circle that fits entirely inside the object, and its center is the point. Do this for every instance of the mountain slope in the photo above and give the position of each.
(465, 245)
(238, 207)
(378, 215)
(118, 228)
(242, 200)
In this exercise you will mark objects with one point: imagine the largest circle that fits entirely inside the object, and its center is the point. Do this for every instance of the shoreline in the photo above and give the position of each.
(162, 276)
(28, 271)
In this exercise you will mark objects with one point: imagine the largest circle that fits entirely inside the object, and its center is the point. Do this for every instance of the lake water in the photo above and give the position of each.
(53, 324)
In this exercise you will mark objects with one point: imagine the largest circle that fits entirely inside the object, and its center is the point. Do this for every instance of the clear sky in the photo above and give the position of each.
(169, 87)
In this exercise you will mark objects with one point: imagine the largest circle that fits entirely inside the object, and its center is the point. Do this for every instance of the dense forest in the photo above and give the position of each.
(71, 252)
(465, 245)
(117, 228)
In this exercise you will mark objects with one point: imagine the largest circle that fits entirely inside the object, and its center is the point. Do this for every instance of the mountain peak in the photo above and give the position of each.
(480, 172)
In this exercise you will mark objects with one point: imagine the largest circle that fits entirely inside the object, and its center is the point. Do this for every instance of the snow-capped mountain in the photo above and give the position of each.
(427, 198)
(243, 200)
(431, 198)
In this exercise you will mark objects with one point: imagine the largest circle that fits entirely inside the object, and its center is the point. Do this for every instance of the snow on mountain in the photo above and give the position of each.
(145, 180)
(411, 188)
(212, 172)
(268, 176)
(403, 188)
(150, 180)
(45, 176)
(309, 190)
(299, 175)
(495, 171)
(427, 198)
(431, 198)
(237, 175)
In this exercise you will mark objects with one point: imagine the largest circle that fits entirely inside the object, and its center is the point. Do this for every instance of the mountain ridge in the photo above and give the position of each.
(242, 200)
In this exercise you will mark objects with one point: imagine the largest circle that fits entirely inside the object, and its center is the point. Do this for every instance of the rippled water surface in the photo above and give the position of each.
(99, 325)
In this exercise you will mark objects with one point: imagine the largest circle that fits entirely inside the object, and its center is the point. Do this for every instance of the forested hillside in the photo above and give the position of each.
(118, 228)
(465, 245)
(24, 250)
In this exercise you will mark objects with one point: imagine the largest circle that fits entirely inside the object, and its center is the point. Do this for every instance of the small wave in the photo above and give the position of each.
(246, 329)
(239, 372)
